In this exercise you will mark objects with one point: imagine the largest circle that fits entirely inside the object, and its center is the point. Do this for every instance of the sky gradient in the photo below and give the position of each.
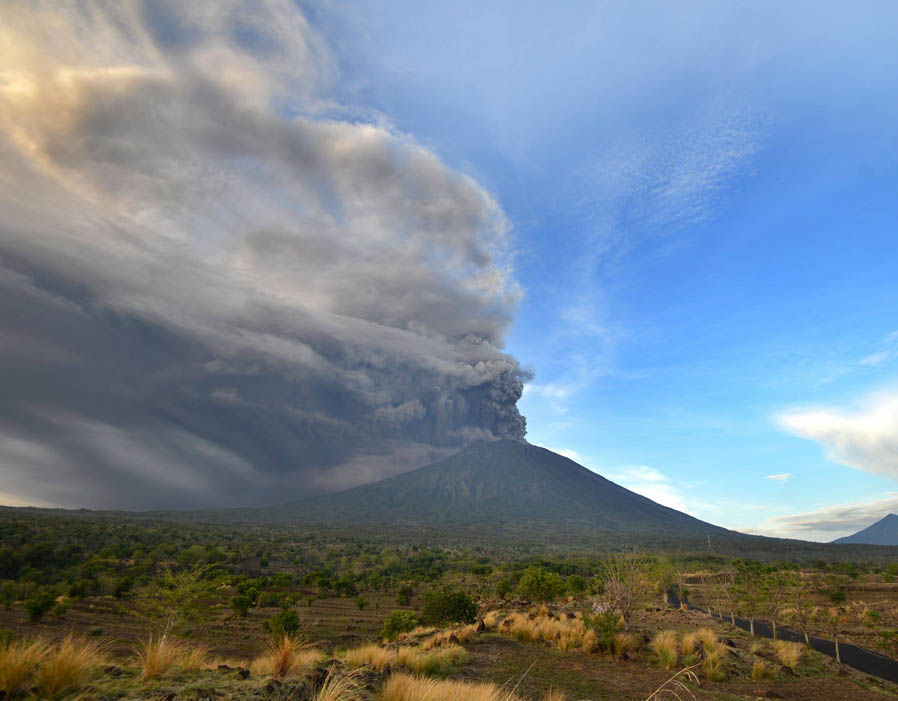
(673, 225)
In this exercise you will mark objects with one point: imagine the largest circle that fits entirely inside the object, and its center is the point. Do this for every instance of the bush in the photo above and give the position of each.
(38, 604)
(361, 602)
(576, 584)
(504, 587)
(404, 595)
(285, 624)
(398, 622)
(241, 604)
(538, 584)
(448, 606)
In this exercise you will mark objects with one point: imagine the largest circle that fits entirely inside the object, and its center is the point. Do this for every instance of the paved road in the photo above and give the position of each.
(860, 658)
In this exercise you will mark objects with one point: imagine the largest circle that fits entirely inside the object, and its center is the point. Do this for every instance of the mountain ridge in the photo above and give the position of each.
(882, 532)
(495, 482)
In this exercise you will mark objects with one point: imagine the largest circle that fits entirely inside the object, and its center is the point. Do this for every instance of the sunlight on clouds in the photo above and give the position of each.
(865, 439)
(782, 477)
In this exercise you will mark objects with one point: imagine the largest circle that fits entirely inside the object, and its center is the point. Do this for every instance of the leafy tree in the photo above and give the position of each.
(398, 622)
(443, 606)
(286, 623)
(404, 595)
(8, 594)
(173, 597)
(538, 584)
(504, 587)
(361, 602)
(576, 584)
(38, 604)
(241, 604)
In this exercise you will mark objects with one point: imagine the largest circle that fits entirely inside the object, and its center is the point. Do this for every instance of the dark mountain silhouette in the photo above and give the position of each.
(505, 481)
(883, 532)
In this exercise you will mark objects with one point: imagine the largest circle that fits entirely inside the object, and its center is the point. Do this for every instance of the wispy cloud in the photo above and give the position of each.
(782, 477)
(865, 439)
(832, 521)
(887, 351)
(651, 483)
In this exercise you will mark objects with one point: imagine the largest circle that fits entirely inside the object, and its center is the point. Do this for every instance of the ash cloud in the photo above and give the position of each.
(217, 287)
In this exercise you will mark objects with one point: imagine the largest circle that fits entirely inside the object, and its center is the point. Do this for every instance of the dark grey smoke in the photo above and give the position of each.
(215, 291)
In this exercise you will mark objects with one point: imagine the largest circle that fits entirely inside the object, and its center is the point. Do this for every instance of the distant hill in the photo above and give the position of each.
(498, 482)
(883, 532)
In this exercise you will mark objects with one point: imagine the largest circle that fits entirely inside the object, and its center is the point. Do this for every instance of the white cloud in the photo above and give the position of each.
(865, 439)
(651, 483)
(782, 477)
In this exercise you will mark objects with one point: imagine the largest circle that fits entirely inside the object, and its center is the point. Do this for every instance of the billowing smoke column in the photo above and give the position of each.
(215, 288)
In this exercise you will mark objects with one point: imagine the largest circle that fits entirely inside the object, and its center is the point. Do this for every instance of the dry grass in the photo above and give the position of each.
(553, 695)
(624, 644)
(18, 662)
(714, 663)
(761, 670)
(49, 669)
(491, 620)
(757, 647)
(405, 687)
(157, 655)
(565, 634)
(291, 657)
(430, 661)
(665, 645)
(340, 686)
(378, 657)
(788, 654)
(66, 666)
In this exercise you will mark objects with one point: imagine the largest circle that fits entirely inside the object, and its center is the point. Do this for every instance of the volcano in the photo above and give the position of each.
(499, 482)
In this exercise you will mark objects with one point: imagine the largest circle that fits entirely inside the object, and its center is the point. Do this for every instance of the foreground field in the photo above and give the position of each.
(103, 609)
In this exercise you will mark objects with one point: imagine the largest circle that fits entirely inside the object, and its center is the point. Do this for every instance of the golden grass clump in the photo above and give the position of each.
(624, 644)
(50, 669)
(590, 642)
(18, 662)
(566, 634)
(788, 654)
(665, 645)
(554, 695)
(714, 663)
(405, 687)
(757, 647)
(761, 670)
(340, 686)
(707, 638)
(291, 657)
(378, 657)
(435, 662)
(66, 666)
(491, 620)
(157, 655)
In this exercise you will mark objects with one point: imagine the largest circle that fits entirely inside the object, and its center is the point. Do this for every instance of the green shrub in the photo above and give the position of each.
(38, 604)
(448, 606)
(361, 602)
(504, 587)
(538, 584)
(404, 595)
(398, 622)
(286, 623)
(240, 604)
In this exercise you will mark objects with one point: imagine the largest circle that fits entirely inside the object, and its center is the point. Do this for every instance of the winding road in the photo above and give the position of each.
(862, 659)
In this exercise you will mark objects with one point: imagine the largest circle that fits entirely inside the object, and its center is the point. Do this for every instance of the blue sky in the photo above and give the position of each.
(257, 249)
(704, 227)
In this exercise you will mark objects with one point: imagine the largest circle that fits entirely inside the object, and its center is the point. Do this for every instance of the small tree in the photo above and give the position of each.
(174, 597)
(538, 584)
(398, 622)
(626, 583)
(38, 604)
(241, 604)
(443, 606)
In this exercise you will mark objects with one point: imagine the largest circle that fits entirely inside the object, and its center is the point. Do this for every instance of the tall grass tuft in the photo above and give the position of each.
(18, 662)
(405, 687)
(339, 686)
(761, 670)
(157, 655)
(289, 657)
(788, 654)
(665, 645)
(378, 657)
(66, 666)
